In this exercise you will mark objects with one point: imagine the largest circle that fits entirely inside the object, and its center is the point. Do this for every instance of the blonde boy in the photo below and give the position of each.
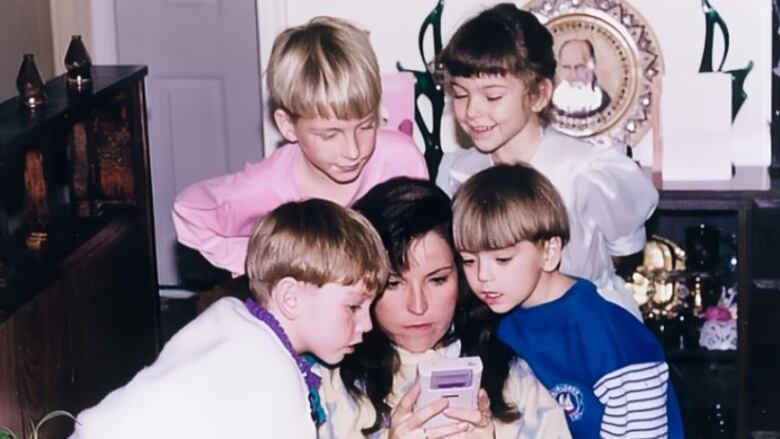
(601, 364)
(325, 90)
(236, 370)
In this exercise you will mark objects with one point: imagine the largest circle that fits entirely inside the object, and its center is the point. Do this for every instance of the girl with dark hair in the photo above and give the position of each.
(424, 313)
(499, 68)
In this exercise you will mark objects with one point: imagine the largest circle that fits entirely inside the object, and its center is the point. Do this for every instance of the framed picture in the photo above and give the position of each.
(607, 59)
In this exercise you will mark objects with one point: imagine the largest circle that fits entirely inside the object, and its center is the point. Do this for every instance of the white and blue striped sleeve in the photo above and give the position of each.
(635, 401)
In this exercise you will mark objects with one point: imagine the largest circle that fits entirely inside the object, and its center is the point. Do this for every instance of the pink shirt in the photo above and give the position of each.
(216, 216)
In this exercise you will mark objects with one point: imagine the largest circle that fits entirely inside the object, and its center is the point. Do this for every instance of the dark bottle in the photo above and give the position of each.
(78, 63)
(701, 248)
(702, 263)
(30, 84)
(684, 327)
(706, 292)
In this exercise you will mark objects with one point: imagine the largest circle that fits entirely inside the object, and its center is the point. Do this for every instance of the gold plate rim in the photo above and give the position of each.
(632, 122)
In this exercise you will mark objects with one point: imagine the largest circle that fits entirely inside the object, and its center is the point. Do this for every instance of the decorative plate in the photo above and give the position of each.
(607, 59)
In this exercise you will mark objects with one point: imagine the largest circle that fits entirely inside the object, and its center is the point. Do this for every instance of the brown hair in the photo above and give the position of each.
(315, 241)
(404, 210)
(324, 68)
(502, 40)
(506, 204)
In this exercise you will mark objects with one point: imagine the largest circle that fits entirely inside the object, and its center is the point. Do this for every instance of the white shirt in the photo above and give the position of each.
(540, 415)
(225, 374)
(607, 196)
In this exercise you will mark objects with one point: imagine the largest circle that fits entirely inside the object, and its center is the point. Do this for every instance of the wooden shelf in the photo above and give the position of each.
(28, 272)
(702, 355)
(747, 207)
(767, 284)
(18, 127)
(78, 283)
(748, 183)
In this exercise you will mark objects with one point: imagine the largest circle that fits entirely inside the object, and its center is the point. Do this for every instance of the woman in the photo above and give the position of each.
(426, 313)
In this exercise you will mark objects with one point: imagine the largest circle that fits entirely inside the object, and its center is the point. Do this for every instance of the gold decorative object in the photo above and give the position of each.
(656, 283)
(607, 59)
(36, 198)
(663, 254)
(36, 240)
(112, 152)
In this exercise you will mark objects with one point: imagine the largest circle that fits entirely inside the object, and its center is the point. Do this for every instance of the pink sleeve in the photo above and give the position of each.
(396, 155)
(217, 216)
(417, 167)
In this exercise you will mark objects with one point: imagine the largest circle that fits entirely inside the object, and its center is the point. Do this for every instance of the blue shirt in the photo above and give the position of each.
(602, 365)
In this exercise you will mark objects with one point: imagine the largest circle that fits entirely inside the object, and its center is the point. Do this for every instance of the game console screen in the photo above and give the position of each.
(451, 379)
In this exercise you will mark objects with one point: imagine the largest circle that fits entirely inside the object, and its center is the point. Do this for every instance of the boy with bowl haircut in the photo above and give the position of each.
(604, 367)
(499, 68)
(325, 91)
(236, 370)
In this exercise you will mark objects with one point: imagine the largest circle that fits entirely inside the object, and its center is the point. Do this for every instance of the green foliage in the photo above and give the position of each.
(6, 433)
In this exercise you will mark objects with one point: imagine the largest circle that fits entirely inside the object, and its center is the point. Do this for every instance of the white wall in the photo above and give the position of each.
(679, 26)
(70, 17)
(94, 20)
(104, 44)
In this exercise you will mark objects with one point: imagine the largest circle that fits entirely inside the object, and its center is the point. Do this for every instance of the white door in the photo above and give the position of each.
(203, 95)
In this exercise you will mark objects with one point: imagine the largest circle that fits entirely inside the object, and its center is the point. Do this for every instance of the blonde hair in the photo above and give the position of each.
(314, 241)
(324, 68)
(506, 204)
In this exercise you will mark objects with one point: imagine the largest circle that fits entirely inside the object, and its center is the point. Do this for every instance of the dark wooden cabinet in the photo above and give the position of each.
(78, 285)
(745, 383)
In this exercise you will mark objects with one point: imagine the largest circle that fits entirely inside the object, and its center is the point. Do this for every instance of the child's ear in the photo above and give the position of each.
(286, 125)
(285, 297)
(551, 254)
(542, 95)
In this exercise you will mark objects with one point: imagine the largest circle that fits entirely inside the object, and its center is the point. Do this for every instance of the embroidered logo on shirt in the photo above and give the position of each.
(570, 400)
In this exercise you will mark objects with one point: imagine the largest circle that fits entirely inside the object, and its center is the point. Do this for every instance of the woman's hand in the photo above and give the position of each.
(480, 422)
(406, 424)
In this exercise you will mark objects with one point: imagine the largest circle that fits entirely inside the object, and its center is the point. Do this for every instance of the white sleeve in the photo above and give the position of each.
(635, 401)
(615, 196)
(443, 176)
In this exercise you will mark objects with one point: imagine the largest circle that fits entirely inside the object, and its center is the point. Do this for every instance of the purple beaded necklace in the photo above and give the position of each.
(311, 378)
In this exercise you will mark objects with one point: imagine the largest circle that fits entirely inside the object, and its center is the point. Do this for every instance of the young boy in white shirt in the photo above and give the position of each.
(236, 370)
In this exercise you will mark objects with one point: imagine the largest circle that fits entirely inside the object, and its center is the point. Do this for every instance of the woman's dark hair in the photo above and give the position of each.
(402, 210)
(502, 40)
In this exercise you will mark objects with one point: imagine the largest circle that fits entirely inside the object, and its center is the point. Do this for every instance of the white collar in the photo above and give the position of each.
(412, 358)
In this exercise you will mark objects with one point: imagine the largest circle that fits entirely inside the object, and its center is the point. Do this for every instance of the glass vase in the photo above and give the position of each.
(30, 84)
(78, 64)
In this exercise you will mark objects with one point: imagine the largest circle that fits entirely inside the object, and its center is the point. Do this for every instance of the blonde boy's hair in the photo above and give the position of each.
(324, 68)
(317, 242)
(506, 204)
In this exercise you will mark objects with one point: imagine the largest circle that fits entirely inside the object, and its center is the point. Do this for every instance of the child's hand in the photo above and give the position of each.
(479, 421)
(404, 423)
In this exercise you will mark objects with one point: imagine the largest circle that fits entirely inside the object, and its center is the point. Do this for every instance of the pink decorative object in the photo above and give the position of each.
(397, 106)
(717, 313)
(719, 331)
